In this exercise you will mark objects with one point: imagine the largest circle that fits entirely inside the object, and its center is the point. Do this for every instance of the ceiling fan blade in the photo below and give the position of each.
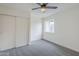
(45, 3)
(36, 8)
(52, 7)
(42, 4)
(39, 4)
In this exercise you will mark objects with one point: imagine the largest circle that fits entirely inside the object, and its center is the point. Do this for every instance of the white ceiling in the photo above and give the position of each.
(26, 7)
(61, 7)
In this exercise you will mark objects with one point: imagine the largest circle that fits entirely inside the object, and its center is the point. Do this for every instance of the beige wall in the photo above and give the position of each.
(13, 11)
(66, 29)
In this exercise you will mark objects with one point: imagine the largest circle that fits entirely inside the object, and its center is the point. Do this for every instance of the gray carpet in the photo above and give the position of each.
(39, 48)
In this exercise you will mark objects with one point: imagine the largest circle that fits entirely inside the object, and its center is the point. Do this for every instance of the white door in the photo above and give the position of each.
(35, 28)
(21, 31)
(7, 32)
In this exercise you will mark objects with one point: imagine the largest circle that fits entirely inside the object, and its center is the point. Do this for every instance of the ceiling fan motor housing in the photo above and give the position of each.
(43, 5)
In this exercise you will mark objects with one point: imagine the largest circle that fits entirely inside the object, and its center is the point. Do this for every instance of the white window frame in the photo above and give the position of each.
(49, 29)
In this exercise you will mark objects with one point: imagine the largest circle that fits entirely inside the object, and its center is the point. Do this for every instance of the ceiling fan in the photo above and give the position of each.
(43, 7)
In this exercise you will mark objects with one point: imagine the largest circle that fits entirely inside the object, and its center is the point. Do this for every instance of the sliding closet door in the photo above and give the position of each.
(21, 31)
(7, 32)
(0, 31)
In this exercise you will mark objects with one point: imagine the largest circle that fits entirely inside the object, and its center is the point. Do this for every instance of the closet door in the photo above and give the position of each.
(0, 31)
(7, 32)
(21, 31)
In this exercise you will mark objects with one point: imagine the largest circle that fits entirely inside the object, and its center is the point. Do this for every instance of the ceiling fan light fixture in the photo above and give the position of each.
(41, 3)
(43, 9)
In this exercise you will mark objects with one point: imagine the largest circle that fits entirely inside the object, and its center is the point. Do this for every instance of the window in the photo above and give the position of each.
(49, 26)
